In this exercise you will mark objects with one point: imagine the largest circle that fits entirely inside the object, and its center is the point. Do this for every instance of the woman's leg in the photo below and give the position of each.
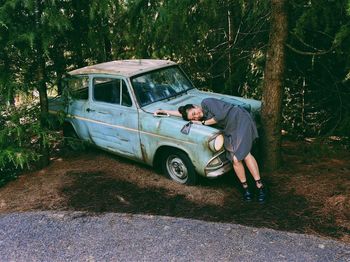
(239, 169)
(240, 172)
(252, 165)
(254, 170)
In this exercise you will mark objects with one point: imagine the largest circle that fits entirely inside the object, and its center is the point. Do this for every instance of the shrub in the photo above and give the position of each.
(21, 139)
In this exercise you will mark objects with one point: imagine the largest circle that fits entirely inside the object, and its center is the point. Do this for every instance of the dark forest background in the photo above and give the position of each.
(221, 44)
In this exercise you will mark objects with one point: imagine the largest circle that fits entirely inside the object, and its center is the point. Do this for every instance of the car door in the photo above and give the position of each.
(113, 118)
(78, 90)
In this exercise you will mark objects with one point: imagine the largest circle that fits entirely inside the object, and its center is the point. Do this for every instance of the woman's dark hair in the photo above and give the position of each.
(183, 110)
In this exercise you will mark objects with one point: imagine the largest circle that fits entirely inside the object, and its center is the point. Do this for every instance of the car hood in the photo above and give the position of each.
(195, 97)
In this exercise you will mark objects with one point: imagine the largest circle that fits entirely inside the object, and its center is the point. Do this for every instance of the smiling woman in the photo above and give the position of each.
(191, 112)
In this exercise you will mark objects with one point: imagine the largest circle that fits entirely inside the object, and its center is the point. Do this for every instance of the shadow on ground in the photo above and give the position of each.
(285, 210)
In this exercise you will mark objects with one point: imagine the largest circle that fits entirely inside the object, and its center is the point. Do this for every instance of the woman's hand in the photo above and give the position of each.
(196, 122)
(162, 112)
(158, 112)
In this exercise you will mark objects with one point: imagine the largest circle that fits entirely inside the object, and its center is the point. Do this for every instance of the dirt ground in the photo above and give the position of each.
(310, 194)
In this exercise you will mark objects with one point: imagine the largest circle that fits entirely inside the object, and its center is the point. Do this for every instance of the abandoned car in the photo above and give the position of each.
(112, 105)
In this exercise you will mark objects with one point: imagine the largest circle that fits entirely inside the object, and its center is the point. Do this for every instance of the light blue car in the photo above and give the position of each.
(112, 106)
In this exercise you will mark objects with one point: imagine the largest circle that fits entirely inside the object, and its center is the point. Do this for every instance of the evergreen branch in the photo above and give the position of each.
(214, 49)
(3, 24)
(304, 43)
(310, 53)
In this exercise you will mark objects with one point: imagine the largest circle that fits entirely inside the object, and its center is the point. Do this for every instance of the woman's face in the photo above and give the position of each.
(195, 113)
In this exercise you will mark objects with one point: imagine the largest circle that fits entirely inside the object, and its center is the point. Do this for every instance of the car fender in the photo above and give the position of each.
(165, 132)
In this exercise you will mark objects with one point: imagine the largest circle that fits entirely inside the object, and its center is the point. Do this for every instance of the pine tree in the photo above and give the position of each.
(32, 28)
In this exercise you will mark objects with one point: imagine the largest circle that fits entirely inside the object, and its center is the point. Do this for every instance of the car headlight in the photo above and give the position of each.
(216, 143)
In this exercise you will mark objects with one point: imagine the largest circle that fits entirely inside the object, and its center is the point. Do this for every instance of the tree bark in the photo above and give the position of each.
(42, 88)
(44, 113)
(59, 64)
(273, 87)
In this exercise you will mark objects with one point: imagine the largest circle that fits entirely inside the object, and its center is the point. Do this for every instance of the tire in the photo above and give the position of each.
(178, 167)
(69, 132)
(71, 139)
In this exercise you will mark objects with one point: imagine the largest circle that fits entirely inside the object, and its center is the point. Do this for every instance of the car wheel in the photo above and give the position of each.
(177, 166)
(68, 131)
(71, 138)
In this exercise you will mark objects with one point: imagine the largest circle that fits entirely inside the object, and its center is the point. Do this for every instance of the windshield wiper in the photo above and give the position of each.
(175, 95)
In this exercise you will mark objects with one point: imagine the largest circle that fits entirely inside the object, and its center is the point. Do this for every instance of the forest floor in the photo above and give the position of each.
(309, 194)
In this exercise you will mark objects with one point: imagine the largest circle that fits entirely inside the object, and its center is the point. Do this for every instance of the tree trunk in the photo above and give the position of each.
(59, 64)
(108, 49)
(44, 112)
(273, 87)
(41, 81)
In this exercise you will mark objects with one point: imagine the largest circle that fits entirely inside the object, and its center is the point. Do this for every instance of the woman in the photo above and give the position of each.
(239, 131)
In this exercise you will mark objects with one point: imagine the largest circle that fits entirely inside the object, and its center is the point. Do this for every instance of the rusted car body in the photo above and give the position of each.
(112, 104)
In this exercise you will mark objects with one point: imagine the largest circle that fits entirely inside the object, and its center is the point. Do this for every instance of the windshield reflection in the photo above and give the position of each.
(159, 85)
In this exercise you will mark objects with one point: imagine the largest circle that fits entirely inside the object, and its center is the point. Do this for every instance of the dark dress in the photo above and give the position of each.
(237, 124)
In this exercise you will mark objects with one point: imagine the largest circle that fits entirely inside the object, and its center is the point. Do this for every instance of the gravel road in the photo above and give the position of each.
(76, 236)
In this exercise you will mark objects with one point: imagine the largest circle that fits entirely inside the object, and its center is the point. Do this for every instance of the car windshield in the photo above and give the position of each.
(160, 84)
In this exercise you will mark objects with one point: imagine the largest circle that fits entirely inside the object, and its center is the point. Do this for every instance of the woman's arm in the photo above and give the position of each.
(207, 122)
(167, 112)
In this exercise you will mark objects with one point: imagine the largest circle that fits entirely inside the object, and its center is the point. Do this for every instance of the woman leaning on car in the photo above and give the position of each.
(239, 133)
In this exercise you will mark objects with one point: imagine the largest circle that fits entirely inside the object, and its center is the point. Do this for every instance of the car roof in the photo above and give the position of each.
(123, 67)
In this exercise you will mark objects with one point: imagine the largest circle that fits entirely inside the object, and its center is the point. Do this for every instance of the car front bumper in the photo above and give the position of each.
(223, 167)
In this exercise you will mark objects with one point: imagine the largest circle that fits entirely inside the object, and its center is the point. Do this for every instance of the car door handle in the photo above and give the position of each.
(90, 110)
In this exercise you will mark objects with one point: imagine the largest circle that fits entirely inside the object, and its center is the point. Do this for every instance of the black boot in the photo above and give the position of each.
(247, 196)
(261, 196)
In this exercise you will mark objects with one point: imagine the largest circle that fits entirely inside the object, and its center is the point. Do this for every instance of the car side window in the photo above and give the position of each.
(110, 90)
(78, 87)
(126, 100)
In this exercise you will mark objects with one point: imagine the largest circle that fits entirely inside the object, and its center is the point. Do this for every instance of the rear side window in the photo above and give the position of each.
(78, 87)
(110, 90)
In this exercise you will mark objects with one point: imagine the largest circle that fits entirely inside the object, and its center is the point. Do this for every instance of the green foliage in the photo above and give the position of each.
(21, 138)
(317, 90)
